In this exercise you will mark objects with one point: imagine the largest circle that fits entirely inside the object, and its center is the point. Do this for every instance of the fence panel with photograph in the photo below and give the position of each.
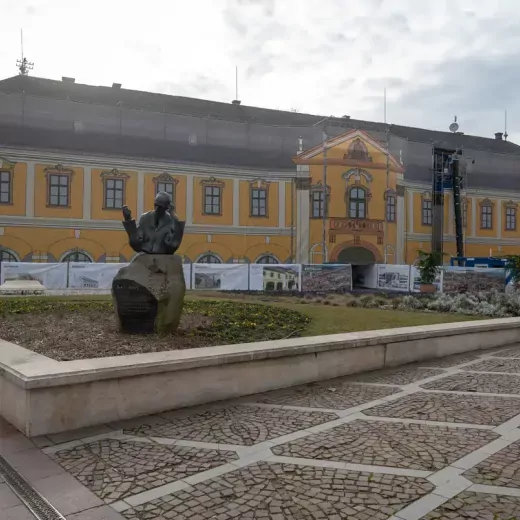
(84, 275)
(275, 277)
(51, 276)
(393, 277)
(220, 277)
(326, 277)
(472, 279)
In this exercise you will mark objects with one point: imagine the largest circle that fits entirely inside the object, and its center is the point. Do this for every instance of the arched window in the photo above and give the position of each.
(76, 256)
(7, 256)
(209, 259)
(267, 259)
(357, 203)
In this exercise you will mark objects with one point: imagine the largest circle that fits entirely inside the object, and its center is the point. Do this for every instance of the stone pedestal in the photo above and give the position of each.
(148, 294)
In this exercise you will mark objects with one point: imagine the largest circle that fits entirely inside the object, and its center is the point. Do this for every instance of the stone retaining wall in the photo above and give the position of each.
(41, 396)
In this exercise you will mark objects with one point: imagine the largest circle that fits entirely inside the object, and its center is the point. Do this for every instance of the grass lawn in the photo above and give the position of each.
(328, 319)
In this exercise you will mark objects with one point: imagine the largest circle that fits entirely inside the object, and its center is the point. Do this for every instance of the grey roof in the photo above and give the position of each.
(118, 121)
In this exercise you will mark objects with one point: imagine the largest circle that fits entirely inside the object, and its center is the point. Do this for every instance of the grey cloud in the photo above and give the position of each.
(381, 83)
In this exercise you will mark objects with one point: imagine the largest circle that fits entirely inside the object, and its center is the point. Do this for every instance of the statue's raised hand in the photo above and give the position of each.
(127, 214)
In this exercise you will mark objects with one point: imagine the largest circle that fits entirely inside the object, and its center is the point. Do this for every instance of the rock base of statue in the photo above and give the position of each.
(148, 294)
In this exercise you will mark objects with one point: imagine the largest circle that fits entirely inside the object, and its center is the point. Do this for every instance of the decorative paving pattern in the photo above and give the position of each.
(450, 361)
(469, 409)
(115, 469)
(338, 396)
(412, 446)
(239, 425)
(402, 376)
(287, 492)
(477, 506)
(513, 352)
(500, 469)
(496, 365)
(477, 382)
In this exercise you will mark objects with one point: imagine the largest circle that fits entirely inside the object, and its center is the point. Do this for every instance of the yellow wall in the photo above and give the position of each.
(18, 179)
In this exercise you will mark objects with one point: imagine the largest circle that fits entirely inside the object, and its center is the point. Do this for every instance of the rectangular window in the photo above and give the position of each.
(114, 193)
(318, 204)
(486, 217)
(258, 202)
(510, 219)
(167, 187)
(59, 190)
(212, 195)
(427, 213)
(390, 209)
(5, 188)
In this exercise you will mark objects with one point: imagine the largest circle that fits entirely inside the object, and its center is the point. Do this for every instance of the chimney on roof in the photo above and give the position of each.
(236, 102)
(498, 135)
(116, 85)
(65, 79)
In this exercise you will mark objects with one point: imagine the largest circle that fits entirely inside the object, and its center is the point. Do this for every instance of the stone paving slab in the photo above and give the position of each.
(287, 492)
(335, 395)
(239, 425)
(393, 444)
(513, 352)
(477, 506)
(450, 361)
(400, 376)
(114, 469)
(453, 408)
(496, 365)
(501, 469)
(477, 382)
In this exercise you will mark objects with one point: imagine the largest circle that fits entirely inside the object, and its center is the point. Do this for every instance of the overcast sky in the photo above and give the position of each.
(437, 58)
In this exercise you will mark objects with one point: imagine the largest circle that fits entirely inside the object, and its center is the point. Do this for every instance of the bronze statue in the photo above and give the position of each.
(158, 232)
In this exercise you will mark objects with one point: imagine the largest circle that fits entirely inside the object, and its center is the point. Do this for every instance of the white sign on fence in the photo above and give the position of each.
(223, 277)
(84, 275)
(393, 277)
(51, 276)
(275, 277)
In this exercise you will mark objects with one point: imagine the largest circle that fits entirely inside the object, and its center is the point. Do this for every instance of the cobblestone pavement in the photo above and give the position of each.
(435, 440)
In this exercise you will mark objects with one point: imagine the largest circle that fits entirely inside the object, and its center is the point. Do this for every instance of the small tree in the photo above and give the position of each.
(513, 269)
(429, 265)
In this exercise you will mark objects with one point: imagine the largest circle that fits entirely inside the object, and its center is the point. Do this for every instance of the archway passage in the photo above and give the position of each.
(356, 255)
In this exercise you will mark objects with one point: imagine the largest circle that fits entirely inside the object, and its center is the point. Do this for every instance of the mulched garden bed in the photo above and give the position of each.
(66, 329)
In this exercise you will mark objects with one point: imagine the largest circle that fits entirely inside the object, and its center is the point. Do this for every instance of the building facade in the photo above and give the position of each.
(252, 185)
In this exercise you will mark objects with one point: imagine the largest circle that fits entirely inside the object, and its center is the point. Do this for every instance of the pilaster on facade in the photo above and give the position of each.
(282, 186)
(400, 239)
(474, 217)
(302, 213)
(189, 199)
(29, 190)
(140, 192)
(499, 210)
(411, 196)
(236, 202)
(87, 192)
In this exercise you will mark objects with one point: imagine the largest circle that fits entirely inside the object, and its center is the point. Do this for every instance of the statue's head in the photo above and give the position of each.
(163, 202)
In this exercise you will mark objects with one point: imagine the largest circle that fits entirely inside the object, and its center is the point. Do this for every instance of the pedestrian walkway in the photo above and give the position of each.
(435, 440)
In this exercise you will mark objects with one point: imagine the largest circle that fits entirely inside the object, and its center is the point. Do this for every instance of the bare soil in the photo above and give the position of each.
(92, 333)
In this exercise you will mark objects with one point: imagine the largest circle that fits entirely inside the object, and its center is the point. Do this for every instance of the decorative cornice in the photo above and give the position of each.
(357, 172)
(165, 177)
(486, 202)
(6, 165)
(426, 195)
(115, 225)
(114, 173)
(511, 204)
(259, 183)
(59, 169)
(319, 187)
(212, 181)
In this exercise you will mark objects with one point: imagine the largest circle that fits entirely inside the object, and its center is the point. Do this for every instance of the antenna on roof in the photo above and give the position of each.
(23, 65)
(385, 104)
(454, 126)
(505, 125)
(236, 101)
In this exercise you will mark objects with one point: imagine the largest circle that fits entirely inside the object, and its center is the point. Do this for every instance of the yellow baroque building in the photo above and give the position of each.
(252, 185)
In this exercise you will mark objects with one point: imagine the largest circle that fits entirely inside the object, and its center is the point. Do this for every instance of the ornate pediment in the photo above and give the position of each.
(114, 174)
(511, 204)
(357, 173)
(165, 177)
(212, 181)
(319, 187)
(6, 165)
(259, 184)
(357, 151)
(59, 169)
(487, 202)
